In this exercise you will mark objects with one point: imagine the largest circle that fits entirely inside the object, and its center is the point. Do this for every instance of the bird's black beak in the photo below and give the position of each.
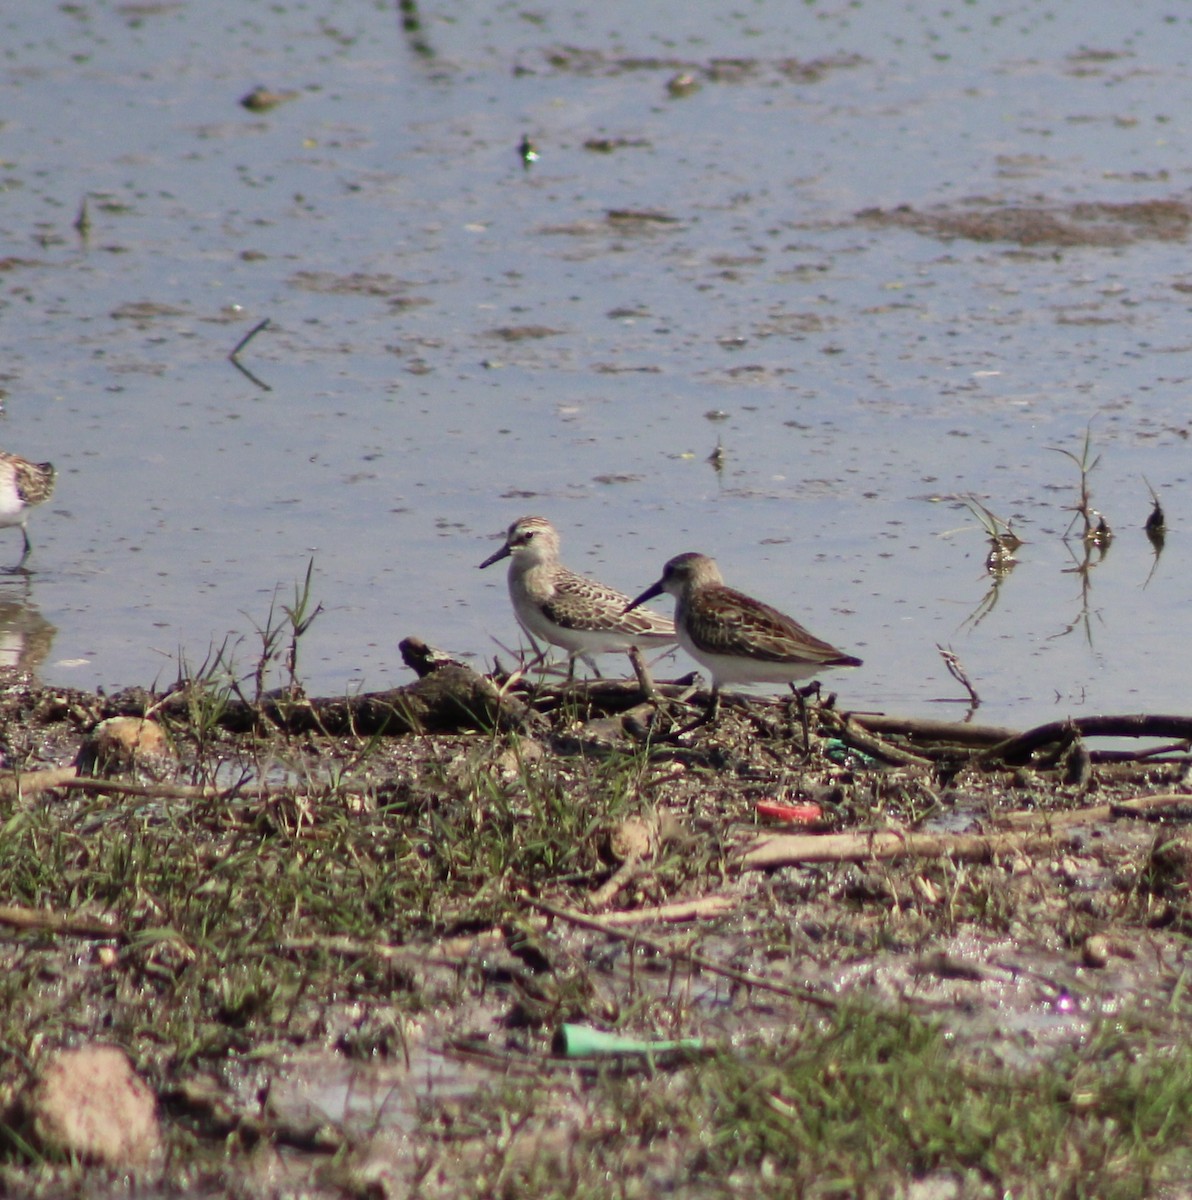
(492, 558)
(648, 594)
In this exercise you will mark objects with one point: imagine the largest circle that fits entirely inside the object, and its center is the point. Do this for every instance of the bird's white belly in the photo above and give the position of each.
(12, 509)
(575, 641)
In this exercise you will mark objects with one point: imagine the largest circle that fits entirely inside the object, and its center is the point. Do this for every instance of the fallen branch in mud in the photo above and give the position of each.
(448, 700)
(792, 849)
(19, 917)
(854, 735)
(992, 745)
(1018, 749)
(628, 871)
(924, 732)
(680, 910)
(170, 791)
(32, 783)
(679, 954)
(1140, 806)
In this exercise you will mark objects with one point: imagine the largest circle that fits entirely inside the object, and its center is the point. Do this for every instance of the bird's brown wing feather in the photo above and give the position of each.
(733, 623)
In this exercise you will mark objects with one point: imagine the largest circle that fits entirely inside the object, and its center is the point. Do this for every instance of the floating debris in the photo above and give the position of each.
(82, 222)
(682, 84)
(261, 99)
(1156, 523)
(642, 216)
(1000, 560)
(1098, 533)
(1003, 541)
(606, 145)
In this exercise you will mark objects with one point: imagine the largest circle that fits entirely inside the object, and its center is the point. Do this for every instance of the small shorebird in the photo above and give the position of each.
(22, 485)
(565, 609)
(739, 639)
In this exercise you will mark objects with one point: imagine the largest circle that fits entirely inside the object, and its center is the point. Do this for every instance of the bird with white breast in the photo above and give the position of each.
(555, 605)
(23, 484)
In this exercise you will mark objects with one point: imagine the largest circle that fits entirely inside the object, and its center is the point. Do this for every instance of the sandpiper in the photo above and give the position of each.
(565, 609)
(739, 639)
(22, 485)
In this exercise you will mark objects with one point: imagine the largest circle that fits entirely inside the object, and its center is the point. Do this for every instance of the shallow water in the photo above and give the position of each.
(456, 339)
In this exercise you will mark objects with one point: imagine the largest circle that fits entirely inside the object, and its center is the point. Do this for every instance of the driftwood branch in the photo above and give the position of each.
(234, 356)
(447, 700)
(1138, 806)
(953, 733)
(448, 697)
(792, 849)
(1019, 748)
(681, 910)
(989, 745)
(51, 922)
(853, 734)
(32, 783)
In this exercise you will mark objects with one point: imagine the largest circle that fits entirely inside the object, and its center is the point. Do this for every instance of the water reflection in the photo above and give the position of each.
(25, 635)
(999, 562)
(1092, 553)
(988, 602)
(1156, 530)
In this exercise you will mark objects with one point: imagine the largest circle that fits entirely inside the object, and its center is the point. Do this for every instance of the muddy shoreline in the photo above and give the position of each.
(342, 962)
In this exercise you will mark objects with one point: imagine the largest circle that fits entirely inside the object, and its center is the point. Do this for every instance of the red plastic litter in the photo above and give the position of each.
(794, 814)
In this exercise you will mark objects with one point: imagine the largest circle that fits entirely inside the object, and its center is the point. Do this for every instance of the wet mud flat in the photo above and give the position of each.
(378, 946)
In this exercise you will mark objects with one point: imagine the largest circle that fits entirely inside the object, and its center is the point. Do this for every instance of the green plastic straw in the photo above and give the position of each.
(581, 1041)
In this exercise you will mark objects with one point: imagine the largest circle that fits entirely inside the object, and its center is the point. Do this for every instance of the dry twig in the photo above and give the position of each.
(679, 953)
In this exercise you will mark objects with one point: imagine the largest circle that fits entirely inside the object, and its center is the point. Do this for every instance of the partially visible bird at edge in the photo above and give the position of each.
(23, 485)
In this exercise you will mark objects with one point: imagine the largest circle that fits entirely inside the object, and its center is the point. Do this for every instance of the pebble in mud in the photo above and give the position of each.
(89, 1103)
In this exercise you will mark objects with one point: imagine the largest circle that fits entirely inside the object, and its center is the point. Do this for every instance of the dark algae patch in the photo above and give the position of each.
(1085, 223)
(337, 941)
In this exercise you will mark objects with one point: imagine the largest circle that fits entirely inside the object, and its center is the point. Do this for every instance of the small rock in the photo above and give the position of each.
(89, 1103)
(511, 762)
(122, 742)
(1096, 951)
(633, 838)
